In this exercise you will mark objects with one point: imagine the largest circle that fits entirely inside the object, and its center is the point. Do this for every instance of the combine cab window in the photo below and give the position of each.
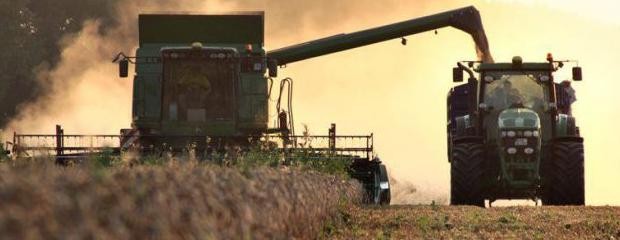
(198, 87)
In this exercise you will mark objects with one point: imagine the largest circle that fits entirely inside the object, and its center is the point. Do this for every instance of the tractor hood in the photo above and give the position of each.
(519, 145)
(518, 118)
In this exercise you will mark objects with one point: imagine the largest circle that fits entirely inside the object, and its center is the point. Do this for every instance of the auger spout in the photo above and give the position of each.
(466, 19)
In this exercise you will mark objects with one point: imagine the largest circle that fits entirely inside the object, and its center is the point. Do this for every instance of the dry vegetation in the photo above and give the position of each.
(445, 222)
(160, 199)
(189, 201)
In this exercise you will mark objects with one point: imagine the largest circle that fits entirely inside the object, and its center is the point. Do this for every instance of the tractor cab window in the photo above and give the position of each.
(515, 89)
(198, 85)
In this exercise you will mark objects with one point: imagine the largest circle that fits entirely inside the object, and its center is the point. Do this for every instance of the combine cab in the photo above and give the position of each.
(511, 135)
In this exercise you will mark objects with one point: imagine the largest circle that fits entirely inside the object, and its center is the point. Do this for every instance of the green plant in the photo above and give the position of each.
(104, 159)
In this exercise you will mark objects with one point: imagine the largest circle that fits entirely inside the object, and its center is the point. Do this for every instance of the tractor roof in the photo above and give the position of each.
(511, 67)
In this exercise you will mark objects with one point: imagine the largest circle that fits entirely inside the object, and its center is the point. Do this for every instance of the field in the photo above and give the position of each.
(189, 200)
(168, 201)
(447, 222)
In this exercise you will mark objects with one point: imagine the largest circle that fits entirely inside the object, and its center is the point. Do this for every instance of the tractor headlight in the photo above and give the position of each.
(511, 134)
(528, 150)
(528, 133)
(511, 150)
(535, 133)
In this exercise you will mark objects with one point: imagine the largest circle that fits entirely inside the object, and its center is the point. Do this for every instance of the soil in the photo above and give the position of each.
(464, 222)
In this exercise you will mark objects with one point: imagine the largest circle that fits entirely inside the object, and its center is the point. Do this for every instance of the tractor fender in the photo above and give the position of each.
(577, 139)
(467, 139)
(463, 123)
(566, 126)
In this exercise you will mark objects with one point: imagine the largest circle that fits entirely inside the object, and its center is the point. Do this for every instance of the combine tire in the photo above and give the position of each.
(381, 193)
(563, 182)
(467, 174)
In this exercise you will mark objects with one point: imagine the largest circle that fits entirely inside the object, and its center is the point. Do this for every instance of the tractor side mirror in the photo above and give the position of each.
(123, 68)
(457, 74)
(577, 73)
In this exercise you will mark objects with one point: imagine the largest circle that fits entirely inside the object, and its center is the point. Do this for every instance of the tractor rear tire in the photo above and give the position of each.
(467, 174)
(563, 181)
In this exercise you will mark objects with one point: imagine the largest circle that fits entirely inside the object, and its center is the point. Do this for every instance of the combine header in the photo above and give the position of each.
(66, 147)
(205, 81)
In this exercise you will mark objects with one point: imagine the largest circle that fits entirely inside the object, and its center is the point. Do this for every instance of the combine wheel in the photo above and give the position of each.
(563, 182)
(467, 174)
(381, 193)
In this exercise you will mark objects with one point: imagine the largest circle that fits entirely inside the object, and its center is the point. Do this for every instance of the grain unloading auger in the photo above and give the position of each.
(205, 81)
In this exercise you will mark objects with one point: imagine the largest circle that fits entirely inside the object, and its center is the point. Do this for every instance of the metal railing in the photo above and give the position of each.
(61, 144)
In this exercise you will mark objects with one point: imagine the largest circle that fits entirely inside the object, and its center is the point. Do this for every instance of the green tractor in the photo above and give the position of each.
(511, 134)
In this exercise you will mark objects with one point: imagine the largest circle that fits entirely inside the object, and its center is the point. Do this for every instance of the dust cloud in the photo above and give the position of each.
(404, 191)
(82, 92)
(394, 91)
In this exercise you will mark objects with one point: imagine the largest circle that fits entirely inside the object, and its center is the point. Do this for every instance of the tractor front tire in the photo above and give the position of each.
(563, 182)
(467, 174)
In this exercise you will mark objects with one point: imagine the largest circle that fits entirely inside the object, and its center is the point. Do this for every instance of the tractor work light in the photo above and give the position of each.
(511, 150)
(258, 66)
(528, 150)
(549, 57)
(517, 62)
(196, 45)
(511, 134)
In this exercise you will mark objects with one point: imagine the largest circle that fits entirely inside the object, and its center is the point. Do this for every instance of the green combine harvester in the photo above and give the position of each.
(511, 134)
(205, 81)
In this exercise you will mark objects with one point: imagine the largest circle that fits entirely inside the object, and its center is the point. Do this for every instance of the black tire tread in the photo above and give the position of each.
(467, 171)
(385, 194)
(563, 175)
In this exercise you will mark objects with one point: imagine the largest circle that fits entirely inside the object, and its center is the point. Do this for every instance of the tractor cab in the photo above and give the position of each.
(524, 91)
(506, 119)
